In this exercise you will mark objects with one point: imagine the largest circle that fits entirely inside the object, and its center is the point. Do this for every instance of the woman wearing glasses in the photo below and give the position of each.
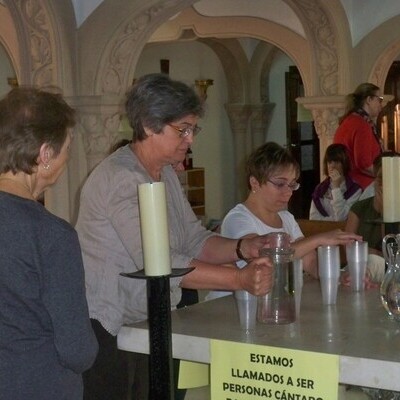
(163, 114)
(357, 131)
(272, 174)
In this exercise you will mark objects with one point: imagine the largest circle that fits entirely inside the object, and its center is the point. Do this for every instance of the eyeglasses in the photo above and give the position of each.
(185, 132)
(283, 185)
(380, 98)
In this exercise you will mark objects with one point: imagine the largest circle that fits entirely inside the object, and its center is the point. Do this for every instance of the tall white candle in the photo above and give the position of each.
(397, 128)
(384, 132)
(391, 184)
(395, 121)
(154, 229)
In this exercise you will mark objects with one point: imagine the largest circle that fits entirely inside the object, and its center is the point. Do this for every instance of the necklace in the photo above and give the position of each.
(26, 190)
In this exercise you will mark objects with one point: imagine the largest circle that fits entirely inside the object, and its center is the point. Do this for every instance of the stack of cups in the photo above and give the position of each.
(247, 309)
(329, 272)
(357, 258)
(298, 283)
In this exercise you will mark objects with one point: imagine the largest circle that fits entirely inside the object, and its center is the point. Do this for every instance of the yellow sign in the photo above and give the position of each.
(241, 371)
(193, 374)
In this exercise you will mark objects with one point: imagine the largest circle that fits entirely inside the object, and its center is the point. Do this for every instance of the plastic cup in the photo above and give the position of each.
(329, 272)
(357, 259)
(247, 309)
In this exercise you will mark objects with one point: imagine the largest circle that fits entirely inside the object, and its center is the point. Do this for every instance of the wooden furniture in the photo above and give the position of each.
(357, 329)
(192, 181)
(311, 227)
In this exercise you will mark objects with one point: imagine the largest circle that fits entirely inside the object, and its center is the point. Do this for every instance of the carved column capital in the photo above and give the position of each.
(326, 112)
(99, 119)
(239, 115)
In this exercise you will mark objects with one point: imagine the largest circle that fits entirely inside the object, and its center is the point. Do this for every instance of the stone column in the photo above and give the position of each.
(99, 118)
(96, 130)
(326, 113)
(239, 115)
(259, 119)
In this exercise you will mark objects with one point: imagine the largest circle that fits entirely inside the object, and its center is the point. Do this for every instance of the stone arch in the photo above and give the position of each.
(327, 29)
(122, 50)
(9, 39)
(44, 53)
(377, 51)
(37, 40)
(123, 47)
(234, 64)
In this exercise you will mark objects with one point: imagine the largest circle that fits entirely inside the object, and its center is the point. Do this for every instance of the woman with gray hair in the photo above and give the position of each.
(46, 340)
(163, 114)
(357, 131)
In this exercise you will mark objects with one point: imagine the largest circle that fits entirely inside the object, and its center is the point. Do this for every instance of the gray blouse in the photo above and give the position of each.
(109, 231)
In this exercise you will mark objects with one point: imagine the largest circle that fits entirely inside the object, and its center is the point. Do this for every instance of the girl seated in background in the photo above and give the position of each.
(334, 196)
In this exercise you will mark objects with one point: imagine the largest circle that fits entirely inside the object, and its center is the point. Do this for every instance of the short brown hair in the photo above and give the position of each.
(30, 117)
(155, 100)
(267, 159)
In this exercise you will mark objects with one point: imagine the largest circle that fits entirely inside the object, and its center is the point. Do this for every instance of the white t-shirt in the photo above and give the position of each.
(240, 221)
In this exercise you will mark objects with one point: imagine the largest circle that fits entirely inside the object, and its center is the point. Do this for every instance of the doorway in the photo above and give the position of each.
(303, 142)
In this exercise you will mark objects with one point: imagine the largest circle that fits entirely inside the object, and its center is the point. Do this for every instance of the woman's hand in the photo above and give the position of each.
(257, 276)
(345, 280)
(336, 237)
(250, 246)
(336, 177)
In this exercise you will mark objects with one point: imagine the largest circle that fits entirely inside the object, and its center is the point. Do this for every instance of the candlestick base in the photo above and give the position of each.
(175, 272)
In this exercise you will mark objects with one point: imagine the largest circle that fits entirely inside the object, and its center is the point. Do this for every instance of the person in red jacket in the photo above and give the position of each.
(357, 131)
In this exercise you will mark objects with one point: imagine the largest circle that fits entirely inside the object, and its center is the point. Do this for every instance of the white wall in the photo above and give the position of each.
(277, 128)
(213, 147)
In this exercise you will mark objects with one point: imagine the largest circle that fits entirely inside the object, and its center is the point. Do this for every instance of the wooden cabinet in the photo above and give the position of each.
(192, 181)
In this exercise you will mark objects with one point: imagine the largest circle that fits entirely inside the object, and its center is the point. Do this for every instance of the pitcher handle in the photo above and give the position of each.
(387, 254)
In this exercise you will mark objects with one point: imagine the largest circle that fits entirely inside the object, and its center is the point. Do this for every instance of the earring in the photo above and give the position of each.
(46, 166)
(254, 191)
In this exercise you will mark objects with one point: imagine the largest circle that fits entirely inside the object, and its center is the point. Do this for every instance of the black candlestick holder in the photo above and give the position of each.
(161, 375)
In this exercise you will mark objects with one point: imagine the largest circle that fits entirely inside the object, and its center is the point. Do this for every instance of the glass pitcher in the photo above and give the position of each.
(390, 286)
(278, 306)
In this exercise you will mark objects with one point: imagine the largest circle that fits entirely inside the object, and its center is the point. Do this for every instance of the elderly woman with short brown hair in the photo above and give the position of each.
(164, 115)
(46, 340)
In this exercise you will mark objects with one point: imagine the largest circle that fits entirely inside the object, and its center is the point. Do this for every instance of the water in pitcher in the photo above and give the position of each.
(278, 306)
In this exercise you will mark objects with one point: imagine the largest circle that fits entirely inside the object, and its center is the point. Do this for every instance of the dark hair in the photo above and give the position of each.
(356, 100)
(339, 153)
(155, 100)
(267, 159)
(29, 118)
